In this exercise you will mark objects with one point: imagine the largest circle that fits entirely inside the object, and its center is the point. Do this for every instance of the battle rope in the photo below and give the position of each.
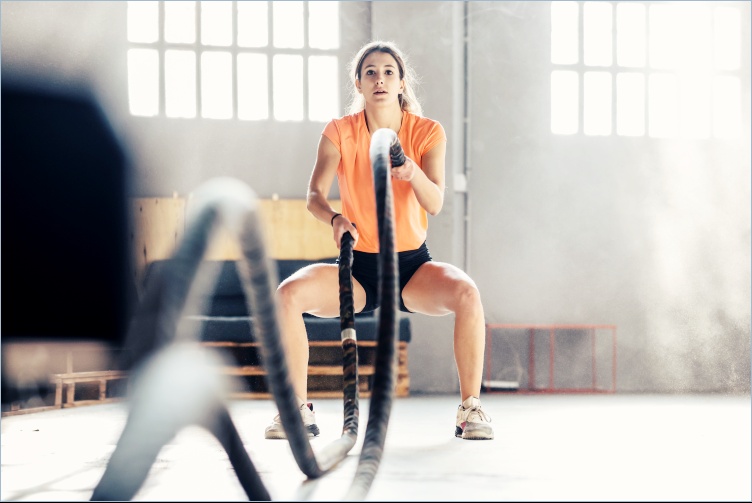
(385, 152)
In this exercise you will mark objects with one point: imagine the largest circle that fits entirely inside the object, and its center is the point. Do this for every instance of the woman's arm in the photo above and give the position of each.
(428, 183)
(319, 185)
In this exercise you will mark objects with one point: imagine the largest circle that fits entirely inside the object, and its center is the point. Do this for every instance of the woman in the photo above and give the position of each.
(383, 98)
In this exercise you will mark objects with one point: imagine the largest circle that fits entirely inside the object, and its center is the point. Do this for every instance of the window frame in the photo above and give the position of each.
(614, 69)
(161, 46)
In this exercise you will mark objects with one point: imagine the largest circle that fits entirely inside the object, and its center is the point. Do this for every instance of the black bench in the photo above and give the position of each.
(226, 322)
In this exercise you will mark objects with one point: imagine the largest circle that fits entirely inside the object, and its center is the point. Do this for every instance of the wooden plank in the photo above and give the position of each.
(313, 370)
(157, 226)
(29, 410)
(92, 376)
(288, 228)
(401, 346)
(80, 403)
(294, 233)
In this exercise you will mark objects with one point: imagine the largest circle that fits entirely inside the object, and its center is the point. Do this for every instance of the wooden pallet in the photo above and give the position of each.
(324, 368)
(65, 386)
(324, 375)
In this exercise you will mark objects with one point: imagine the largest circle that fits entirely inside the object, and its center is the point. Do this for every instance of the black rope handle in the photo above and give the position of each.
(259, 288)
(396, 154)
(349, 338)
(384, 148)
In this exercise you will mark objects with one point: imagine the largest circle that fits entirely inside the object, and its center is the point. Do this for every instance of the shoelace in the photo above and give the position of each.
(480, 412)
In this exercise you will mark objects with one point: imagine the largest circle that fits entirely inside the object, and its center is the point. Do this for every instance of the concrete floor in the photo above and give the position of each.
(547, 448)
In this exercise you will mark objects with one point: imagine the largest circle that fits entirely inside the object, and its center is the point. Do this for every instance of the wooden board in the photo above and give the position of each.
(289, 231)
(157, 226)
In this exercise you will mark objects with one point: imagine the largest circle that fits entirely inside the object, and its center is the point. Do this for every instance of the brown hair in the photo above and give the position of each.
(408, 101)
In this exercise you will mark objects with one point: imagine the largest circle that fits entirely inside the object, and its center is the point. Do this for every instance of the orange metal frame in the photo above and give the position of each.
(531, 387)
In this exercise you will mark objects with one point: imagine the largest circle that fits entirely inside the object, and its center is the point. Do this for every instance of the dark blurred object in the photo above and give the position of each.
(66, 276)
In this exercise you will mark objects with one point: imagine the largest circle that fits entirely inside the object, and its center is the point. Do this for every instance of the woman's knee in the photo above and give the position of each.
(287, 295)
(466, 296)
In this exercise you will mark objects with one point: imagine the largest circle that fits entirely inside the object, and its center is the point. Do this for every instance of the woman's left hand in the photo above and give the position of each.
(406, 172)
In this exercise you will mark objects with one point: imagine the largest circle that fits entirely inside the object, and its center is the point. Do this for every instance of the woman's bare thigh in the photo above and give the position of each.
(315, 290)
(433, 288)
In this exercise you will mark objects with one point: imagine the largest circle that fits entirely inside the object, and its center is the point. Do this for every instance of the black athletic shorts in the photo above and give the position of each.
(365, 271)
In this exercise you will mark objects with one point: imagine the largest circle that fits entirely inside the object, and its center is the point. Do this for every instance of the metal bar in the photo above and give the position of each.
(551, 349)
(531, 361)
(592, 346)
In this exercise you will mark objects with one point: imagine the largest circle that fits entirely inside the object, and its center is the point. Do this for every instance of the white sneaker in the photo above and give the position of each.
(275, 430)
(472, 422)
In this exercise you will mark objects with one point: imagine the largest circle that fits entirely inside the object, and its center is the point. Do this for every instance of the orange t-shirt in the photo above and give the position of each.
(350, 135)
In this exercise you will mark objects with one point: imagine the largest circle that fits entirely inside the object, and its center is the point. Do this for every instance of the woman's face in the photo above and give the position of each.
(379, 82)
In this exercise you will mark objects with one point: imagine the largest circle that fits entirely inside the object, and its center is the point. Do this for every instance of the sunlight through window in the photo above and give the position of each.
(143, 82)
(216, 23)
(564, 33)
(288, 24)
(630, 104)
(245, 60)
(727, 113)
(143, 21)
(727, 39)
(253, 27)
(695, 94)
(322, 32)
(663, 106)
(180, 22)
(630, 35)
(597, 33)
(180, 83)
(253, 87)
(322, 88)
(678, 56)
(288, 87)
(597, 109)
(564, 102)
(216, 85)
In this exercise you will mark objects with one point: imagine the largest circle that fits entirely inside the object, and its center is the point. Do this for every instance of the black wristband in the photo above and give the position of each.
(335, 216)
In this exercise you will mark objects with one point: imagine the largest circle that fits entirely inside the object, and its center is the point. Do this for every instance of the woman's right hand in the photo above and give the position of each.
(340, 226)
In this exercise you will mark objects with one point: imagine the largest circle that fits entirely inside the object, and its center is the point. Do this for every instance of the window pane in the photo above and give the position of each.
(216, 85)
(727, 107)
(143, 21)
(565, 102)
(288, 87)
(727, 35)
(597, 33)
(143, 82)
(216, 23)
(253, 88)
(323, 88)
(323, 25)
(662, 37)
(662, 105)
(180, 21)
(564, 33)
(180, 83)
(694, 21)
(288, 24)
(694, 98)
(597, 113)
(630, 34)
(253, 26)
(630, 104)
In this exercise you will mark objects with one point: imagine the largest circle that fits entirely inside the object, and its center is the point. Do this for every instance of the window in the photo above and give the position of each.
(242, 60)
(666, 70)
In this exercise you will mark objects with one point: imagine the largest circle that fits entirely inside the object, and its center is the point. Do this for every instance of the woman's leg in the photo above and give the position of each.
(438, 289)
(313, 289)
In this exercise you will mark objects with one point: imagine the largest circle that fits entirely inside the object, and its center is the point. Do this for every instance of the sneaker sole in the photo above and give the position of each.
(313, 431)
(477, 434)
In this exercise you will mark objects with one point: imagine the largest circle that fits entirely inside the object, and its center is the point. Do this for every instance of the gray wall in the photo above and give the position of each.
(650, 235)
